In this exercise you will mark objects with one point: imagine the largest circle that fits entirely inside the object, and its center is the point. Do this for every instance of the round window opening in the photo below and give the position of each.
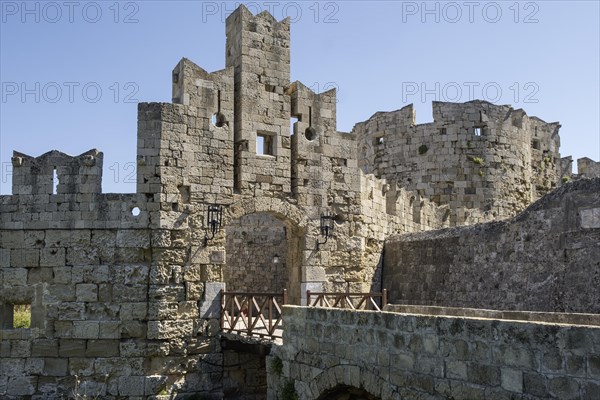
(310, 133)
(135, 211)
(218, 120)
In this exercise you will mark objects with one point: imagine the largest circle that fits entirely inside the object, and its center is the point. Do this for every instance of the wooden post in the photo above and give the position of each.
(271, 315)
(384, 299)
(285, 296)
(222, 322)
(308, 298)
(250, 304)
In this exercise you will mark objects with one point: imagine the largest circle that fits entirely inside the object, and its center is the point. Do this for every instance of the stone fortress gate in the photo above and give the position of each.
(124, 288)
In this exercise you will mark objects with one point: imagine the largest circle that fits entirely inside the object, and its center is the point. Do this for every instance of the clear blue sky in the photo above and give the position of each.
(542, 56)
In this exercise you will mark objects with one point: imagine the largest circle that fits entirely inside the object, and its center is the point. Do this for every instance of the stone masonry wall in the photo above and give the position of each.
(102, 311)
(404, 356)
(124, 288)
(545, 259)
(252, 243)
(477, 155)
(116, 308)
(588, 168)
(244, 376)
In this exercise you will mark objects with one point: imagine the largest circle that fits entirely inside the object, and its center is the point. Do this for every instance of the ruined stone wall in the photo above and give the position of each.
(588, 168)
(545, 259)
(253, 242)
(393, 356)
(474, 155)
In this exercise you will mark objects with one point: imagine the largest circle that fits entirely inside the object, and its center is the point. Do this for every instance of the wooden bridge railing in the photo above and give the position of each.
(252, 314)
(259, 314)
(352, 301)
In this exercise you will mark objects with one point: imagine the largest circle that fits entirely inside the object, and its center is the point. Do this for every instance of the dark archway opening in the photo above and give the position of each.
(261, 255)
(345, 392)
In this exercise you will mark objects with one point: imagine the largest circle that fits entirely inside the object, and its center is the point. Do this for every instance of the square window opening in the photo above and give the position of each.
(535, 144)
(480, 130)
(15, 316)
(264, 144)
(54, 181)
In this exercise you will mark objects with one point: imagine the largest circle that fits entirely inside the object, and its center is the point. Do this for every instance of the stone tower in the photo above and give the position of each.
(258, 49)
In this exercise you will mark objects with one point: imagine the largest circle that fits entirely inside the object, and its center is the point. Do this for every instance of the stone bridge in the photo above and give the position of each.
(413, 352)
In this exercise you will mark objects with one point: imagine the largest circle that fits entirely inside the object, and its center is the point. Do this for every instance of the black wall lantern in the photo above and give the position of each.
(326, 226)
(214, 218)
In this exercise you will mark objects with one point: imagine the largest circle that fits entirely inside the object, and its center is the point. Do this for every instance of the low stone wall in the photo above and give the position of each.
(394, 356)
(557, 318)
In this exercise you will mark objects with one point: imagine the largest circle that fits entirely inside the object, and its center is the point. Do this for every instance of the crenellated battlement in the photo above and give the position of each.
(57, 173)
(475, 155)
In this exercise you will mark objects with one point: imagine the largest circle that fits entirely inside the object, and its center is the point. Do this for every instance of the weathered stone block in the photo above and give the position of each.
(4, 258)
(484, 375)
(169, 293)
(456, 370)
(133, 329)
(563, 388)
(3, 385)
(81, 366)
(52, 257)
(60, 293)
(403, 361)
(194, 290)
(12, 366)
(91, 274)
(590, 218)
(110, 329)
(590, 390)
(133, 238)
(155, 384)
(55, 366)
(14, 277)
(129, 274)
(170, 329)
(86, 292)
(102, 348)
(71, 348)
(44, 348)
(129, 293)
(20, 348)
(552, 360)
(131, 385)
(63, 329)
(21, 386)
(594, 366)
(515, 357)
(211, 306)
(512, 380)
(132, 348)
(86, 329)
(133, 311)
